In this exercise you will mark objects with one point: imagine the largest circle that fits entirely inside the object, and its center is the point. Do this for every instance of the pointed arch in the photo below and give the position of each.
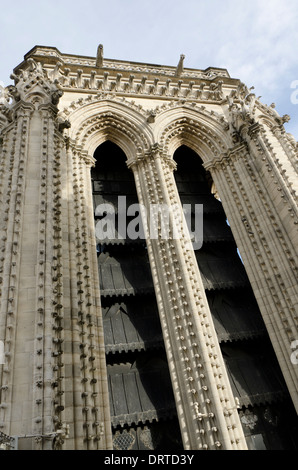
(201, 130)
(104, 119)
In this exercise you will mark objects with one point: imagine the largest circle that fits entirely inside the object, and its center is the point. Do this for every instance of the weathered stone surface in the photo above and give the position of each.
(60, 109)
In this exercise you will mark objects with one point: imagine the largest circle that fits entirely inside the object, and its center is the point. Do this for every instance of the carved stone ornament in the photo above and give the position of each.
(33, 85)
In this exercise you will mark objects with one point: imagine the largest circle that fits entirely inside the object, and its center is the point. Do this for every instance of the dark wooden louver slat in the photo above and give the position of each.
(254, 380)
(146, 393)
(132, 325)
(234, 314)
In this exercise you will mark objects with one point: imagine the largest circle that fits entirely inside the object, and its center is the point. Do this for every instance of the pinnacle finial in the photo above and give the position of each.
(180, 67)
(99, 57)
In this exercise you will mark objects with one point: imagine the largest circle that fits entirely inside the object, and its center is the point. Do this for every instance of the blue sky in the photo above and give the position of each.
(255, 40)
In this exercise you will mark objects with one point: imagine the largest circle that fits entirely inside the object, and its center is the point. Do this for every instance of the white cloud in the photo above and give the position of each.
(256, 41)
(265, 38)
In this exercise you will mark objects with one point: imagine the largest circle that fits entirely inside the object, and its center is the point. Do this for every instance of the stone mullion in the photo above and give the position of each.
(192, 357)
(273, 258)
(271, 252)
(249, 261)
(74, 393)
(147, 197)
(58, 323)
(42, 349)
(86, 314)
(7, 166)
(290, 152)
(100, 411)
(286, 247)
(145, 183)
(184, 340)
(177, 342)
(9, 307)
(264, 262)
(274, 251)
(228, 189)
(82, 393)
(194, 373)
(263, 141)
(219, 401)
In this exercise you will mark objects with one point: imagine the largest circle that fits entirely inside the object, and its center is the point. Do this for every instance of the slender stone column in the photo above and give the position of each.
(14, 164)
(205, 404)
(101, 422)
(88, 386)
(31, 397)
(259, 203)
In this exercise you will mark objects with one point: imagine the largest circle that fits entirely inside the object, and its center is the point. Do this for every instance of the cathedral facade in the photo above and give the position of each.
(148, 259)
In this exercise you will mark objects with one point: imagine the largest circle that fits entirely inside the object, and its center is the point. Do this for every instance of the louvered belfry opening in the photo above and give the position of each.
(265, 408)
(142, 406)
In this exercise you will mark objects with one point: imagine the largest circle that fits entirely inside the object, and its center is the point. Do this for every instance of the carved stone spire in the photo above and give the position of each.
(99, 57)
(180, 67)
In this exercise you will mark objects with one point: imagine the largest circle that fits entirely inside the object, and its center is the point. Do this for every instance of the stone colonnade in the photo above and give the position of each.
(54, 374)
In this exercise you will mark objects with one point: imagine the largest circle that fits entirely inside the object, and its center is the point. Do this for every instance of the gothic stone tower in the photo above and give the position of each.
(144, 342)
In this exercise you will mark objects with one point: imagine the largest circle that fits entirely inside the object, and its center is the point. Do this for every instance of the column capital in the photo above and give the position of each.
(77, 150)
(48, 108)
(254, 130)
(224, 159)
(23, 106)
(157, 151)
